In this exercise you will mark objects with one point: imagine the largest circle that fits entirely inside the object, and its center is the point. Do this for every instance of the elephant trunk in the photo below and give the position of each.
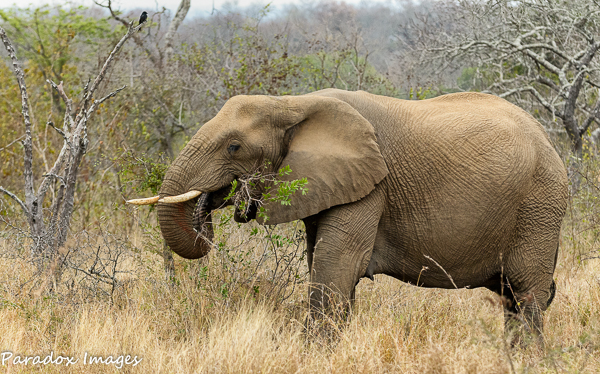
(186, 226)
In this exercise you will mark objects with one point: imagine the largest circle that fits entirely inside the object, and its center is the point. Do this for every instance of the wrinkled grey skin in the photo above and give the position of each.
(467, 180)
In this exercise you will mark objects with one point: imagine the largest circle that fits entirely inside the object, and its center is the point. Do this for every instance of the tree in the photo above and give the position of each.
(541, 54)
(52, 40)
(49, 227)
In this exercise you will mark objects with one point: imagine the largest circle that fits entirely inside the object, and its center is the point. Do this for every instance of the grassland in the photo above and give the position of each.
(217, 317)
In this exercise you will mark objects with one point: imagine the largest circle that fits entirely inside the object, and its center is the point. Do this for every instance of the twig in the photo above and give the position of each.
(440, 266)
(15, 198)
(62, 133)
(13, 142)
(100, 101)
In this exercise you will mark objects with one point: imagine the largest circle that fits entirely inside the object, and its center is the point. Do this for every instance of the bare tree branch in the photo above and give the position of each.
(59, 131)
(92, 89)
(47, 239)
(68, 121)
(535, 94)
(15, 198)
(525, 49)
(55, 176)
(96, 103)
(136, 37)
(11, 143)
(594, 116)
(27, 143)
(79, 140)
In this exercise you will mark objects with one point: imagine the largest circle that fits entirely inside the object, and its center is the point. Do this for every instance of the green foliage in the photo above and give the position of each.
(234, 186)
(52, 39)
(285, 189)
(421, 93)
(143, 173)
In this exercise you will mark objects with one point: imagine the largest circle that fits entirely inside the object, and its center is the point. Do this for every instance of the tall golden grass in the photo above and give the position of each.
(194, 326)
(395, 327)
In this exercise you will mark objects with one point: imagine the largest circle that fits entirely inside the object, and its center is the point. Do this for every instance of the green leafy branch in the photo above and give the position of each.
(245, 190)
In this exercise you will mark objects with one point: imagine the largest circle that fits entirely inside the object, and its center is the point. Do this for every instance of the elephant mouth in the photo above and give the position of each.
(202, 218)
(210, 201)
(245, 214)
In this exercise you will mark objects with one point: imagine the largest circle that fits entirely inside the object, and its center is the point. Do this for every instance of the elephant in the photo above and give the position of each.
(465, 184)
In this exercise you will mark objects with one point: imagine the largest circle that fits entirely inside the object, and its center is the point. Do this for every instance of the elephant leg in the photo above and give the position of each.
(344, 242)
(517, 319)
(529, 266)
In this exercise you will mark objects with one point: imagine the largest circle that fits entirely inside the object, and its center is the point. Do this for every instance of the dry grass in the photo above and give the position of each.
(395, 327)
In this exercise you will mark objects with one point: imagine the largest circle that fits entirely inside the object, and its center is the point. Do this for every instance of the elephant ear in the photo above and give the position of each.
(331, 145)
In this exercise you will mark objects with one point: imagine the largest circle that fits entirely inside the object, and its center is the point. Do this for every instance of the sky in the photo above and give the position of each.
(198, 7)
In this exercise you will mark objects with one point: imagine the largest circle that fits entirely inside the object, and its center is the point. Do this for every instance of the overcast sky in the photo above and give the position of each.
(199, 7)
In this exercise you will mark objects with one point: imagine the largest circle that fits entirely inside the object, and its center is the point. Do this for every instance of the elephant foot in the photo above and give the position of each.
(328, 316)
(323, 329)
(523, 324)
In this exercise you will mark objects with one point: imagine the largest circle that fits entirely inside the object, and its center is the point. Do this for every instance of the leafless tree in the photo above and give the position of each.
(541, 54)
(49, 227)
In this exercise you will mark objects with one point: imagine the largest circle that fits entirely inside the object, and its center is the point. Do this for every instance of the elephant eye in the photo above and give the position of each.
(233, 147)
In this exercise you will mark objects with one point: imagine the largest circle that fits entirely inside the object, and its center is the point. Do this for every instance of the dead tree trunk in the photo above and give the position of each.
(49, 235)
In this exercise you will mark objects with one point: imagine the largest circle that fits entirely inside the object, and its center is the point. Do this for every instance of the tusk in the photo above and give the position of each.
(147, 201)
(180, 198)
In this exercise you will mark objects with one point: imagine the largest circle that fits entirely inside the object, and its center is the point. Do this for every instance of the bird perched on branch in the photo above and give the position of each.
(143, 18)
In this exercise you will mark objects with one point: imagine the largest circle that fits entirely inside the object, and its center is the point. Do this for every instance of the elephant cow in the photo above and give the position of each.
(466, 184)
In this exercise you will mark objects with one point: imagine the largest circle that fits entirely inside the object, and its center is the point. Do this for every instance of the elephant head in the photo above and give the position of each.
(321, 138)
